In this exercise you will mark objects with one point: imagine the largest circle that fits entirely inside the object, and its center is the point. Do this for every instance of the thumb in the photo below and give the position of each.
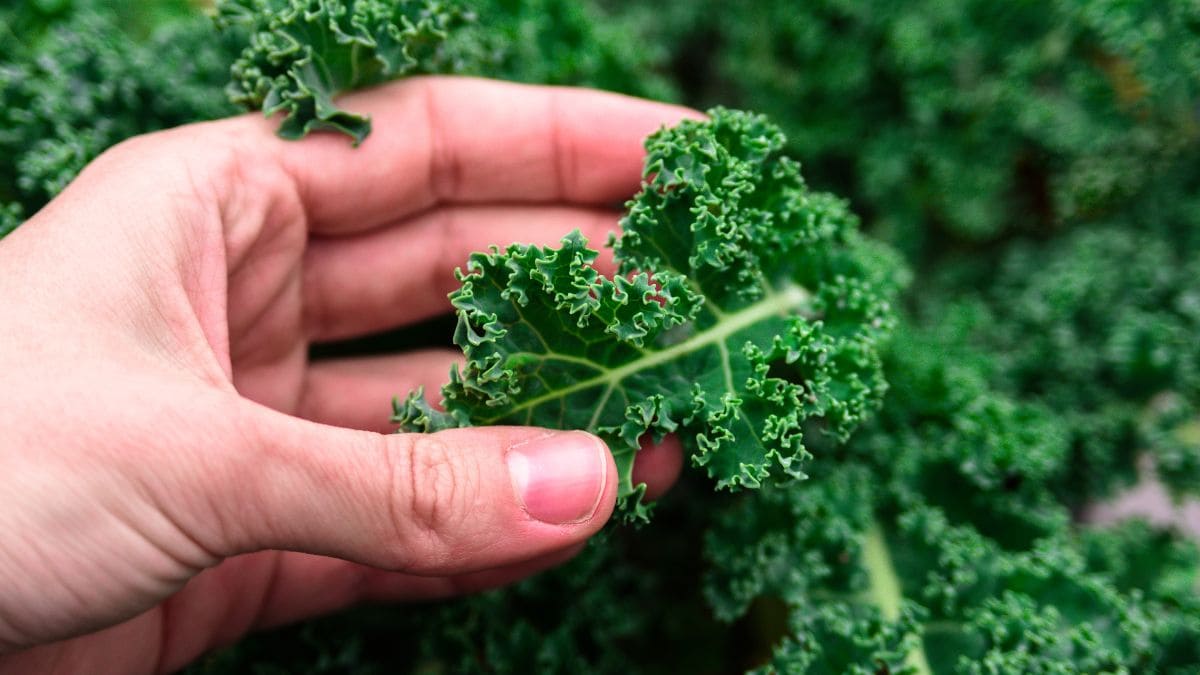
(456, 501)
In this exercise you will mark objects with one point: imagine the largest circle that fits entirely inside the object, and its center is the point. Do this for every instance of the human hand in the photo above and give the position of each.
(163, 437)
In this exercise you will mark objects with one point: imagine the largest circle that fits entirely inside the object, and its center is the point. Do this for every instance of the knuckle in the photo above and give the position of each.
(445, 171)
(433, 495)
(565, 152)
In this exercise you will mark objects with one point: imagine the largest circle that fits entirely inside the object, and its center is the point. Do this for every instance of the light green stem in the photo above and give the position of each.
(885, 589)
(781, 303)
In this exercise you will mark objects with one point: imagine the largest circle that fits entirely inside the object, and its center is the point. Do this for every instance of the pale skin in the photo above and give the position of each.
(175, 472)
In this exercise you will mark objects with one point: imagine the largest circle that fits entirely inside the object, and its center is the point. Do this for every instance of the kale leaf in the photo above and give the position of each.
(303, 53)
(747, 312)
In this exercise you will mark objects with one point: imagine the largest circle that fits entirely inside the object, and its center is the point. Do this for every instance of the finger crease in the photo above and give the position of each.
(445, 169)
(559, 149)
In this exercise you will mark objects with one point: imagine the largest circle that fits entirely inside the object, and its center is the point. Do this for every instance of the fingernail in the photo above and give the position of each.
(559, 478)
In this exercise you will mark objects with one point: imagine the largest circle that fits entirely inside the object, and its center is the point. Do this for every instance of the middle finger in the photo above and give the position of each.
(401, 274)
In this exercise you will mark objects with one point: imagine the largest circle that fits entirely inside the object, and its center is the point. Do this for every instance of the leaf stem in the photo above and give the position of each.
(788, 299)
(885, 589)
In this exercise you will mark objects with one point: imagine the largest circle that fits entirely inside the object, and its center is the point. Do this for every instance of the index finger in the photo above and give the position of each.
(465, 140)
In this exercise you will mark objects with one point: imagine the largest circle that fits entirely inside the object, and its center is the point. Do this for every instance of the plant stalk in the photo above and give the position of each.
(885, 590)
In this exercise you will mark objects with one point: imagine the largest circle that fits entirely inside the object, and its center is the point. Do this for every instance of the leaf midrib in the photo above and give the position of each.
(785, 298)
(885, 591)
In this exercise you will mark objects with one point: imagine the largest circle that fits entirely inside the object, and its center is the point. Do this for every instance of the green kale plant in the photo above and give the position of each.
(303, 53)
(1099, 324)
(747, 308)
(954, 123)
(563, 42)
(939, 539)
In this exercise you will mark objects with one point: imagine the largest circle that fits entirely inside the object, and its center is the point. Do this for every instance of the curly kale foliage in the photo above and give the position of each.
(1098, 325)
(10, 218)
(563, 42)
(935, 543)
(747, 312)
(304, 53)
(299, 55)
(562, 623)
(834, 638)
(954, 122)
(79, 85)
(1107, 305)
(24, 23)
